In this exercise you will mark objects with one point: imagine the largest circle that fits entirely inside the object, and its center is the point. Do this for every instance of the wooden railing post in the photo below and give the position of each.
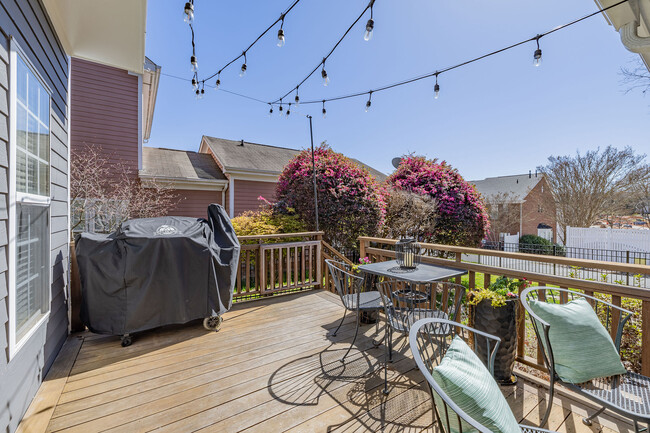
(362, 247)
(459, 257)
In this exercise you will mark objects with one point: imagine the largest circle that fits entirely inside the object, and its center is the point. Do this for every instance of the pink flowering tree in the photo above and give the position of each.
(350, 202)
(462, 217)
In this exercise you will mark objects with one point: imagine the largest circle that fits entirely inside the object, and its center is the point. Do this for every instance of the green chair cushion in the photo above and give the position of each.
(582, 347)
(464, 378)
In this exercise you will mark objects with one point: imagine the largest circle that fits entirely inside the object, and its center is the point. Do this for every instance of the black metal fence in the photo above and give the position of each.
(637, 257)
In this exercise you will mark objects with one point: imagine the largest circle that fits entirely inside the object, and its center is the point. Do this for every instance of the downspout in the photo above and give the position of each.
(631, 39)
(223, 195)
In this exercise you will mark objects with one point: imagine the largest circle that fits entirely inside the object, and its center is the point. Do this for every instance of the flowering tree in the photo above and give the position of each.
(350, 203)
(462, 218)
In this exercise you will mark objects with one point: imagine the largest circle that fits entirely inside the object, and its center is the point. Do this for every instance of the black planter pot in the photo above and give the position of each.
(502, 322)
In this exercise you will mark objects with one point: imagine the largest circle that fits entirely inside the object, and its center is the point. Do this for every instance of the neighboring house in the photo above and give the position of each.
(519, 204)
(232, 173)
(38, 38)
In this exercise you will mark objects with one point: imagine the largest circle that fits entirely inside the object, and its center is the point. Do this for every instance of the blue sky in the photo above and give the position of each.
(496, 117)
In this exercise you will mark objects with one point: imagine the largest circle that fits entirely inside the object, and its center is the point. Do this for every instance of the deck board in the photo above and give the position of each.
(273, 367)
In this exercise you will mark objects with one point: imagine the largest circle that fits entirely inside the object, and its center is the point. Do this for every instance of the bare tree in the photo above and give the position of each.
(640, 200)
(410, 215)
(503, 210)
(108, 200)
(590, 186)
(636, 77)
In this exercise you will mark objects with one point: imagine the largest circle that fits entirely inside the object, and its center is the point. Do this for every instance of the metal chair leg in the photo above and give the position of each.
(340, 323)
(390, 344)
(356, 331)
(387, 336)
(549, 404)
(587, 420)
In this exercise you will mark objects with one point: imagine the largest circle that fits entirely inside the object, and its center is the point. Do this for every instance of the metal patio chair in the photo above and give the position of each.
(350, 289)
(429, 340)
(627, 394)
(406, 303)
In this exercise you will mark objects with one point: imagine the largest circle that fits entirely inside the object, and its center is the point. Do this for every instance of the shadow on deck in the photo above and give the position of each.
(273, 367)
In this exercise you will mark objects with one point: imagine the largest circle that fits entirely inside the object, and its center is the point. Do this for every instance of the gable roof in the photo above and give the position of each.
(179, 164)
(516, 186)
(261, 158)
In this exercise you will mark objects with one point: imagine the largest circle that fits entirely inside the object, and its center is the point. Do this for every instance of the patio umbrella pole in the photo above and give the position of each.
(313, 168)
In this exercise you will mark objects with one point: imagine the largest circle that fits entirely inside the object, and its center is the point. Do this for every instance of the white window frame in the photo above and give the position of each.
(31, 199)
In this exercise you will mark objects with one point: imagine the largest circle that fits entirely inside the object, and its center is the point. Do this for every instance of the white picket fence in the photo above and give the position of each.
(624, 240)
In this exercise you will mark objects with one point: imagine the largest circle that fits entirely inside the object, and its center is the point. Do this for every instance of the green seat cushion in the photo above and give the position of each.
(466, 381)
(582, 347)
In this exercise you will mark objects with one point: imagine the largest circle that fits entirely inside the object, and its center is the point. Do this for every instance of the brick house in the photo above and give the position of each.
(519, 204)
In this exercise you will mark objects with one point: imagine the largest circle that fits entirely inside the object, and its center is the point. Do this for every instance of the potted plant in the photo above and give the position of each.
(494, 310)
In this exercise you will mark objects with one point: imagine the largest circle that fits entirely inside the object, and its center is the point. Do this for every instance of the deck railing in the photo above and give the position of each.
(535, 268)
(278, 263)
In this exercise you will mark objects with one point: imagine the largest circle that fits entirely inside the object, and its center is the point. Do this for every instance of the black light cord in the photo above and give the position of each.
(322, 62)
(282, 16)
(536, 38)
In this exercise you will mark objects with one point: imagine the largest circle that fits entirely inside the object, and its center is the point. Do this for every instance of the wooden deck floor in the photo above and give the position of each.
(272, 368)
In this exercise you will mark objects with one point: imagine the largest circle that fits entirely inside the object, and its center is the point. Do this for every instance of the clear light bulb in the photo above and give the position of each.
(369, 27)
(537, 57)
(188, 13)
(368, 104)
(280, 109)
(324, 113)
(326, 79)
(271, 112)
(194, 84)
(194, 63)
(217, 84)
(297, 99)
(243, 70)
(281, 39)
(436, 91)
(198, 94)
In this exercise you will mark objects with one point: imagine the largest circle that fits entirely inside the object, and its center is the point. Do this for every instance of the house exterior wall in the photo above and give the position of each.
(194, 203)
(26, 21)
(247, 193)
(104, 114)
(538, 209)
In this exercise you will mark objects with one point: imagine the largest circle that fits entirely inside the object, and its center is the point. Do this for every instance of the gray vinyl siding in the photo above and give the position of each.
(20, 377)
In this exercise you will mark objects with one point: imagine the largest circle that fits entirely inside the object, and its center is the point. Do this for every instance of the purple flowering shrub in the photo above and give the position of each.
(462, 217)
(350, 202)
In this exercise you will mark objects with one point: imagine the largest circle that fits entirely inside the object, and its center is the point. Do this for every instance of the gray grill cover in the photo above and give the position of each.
(157, 271)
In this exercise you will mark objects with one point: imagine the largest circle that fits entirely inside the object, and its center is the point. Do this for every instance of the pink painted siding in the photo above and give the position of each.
(193, 203)
(104, 113)
(247, 192)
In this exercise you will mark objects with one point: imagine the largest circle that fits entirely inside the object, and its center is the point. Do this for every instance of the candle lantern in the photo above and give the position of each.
(408, 253)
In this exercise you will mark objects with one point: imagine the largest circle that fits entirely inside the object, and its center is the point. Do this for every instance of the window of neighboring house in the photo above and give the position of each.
(540, 208)
(29, 216)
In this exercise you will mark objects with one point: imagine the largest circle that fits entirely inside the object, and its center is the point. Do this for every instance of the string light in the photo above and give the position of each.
(271, 110)
(297, 98)
(195, 84)
(243, 66)
(188, 12)
(324, 110)
(370, 25)
(194, 63)
(322, 63)
(280, 109)
(323, 73)
(217, 83)
(369, 103)
(281, 39)
(289, 109)
(436, 88)
(537, 56)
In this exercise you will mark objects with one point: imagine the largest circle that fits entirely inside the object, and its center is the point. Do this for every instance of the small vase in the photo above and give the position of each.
(501, 322)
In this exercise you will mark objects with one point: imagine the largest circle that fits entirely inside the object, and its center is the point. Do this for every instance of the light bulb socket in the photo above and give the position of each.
(189, 7)
(218, 83)
(280, 34)
(436, 88)
(538, 54)
(243, 67)
(280, 109)
(323, 73)
(297, 99)
(193, 60)
(370, 25)
(193, 82)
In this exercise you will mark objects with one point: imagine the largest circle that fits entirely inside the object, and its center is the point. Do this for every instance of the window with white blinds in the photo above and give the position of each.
(30, 228)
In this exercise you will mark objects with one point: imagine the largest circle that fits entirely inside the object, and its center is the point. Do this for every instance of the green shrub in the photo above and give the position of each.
(267, 222)
(533, 244)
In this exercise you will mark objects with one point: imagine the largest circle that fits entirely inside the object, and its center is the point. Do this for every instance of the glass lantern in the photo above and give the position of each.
(408, 253)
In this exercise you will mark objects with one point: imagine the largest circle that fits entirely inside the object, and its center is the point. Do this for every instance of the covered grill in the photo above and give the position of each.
(158, 271)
